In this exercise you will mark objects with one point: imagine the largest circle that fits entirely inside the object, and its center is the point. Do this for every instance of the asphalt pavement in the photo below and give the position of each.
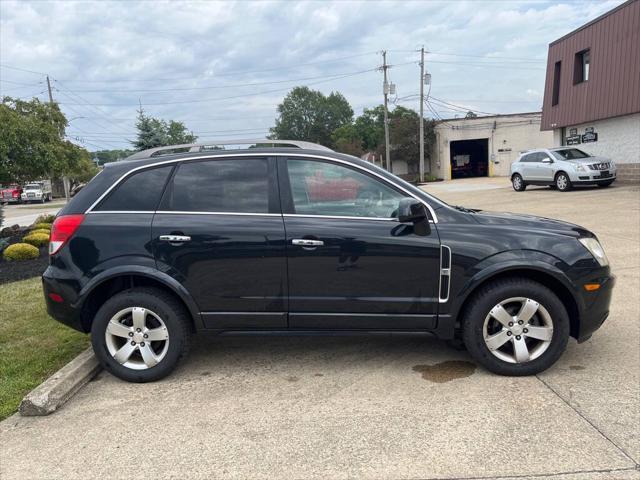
(370, 408)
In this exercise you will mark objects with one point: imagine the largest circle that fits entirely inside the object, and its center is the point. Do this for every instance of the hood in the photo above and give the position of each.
(531, 222)
(589, 160)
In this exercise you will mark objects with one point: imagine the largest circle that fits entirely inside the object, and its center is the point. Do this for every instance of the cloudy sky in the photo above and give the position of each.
(222, 67)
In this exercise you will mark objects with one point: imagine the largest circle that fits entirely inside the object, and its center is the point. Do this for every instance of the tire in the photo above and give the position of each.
(478, 316)
(163, 315)
(517, 182)
(563, 183)
(605, 184)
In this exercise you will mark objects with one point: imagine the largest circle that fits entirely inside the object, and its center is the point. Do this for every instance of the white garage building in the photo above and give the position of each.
(485, 146)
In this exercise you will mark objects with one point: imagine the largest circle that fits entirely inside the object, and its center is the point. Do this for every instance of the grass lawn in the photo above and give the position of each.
(32, 344)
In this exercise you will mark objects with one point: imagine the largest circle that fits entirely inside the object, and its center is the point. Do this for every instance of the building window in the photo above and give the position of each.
(581, 67)
(556, 84)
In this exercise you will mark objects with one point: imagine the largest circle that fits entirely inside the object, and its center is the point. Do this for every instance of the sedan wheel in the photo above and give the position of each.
(518, 330)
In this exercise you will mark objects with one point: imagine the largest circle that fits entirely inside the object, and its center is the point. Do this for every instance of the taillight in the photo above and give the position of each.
(62, 230)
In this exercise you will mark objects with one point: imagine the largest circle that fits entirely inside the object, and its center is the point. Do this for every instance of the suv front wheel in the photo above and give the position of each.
(139, 335)
(518, 183)
(563, 183)
(515, 327)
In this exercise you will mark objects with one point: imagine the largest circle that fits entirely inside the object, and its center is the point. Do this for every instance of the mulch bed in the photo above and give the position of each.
(14, 271)
(23, 269)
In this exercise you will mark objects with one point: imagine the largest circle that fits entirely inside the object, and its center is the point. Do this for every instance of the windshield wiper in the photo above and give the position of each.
(465, 209)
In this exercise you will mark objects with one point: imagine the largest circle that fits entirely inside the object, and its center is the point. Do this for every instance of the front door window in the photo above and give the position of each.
(327, 189)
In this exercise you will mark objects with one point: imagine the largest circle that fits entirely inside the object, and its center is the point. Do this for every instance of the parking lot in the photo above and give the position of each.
(374, 407)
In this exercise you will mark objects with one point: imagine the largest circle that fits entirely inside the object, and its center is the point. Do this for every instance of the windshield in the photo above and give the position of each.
(34, 186)
(569, 154)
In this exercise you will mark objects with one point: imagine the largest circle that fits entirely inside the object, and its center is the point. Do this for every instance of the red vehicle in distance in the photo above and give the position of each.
(11, 193)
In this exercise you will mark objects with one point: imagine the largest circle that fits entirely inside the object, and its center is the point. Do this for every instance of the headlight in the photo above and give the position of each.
(596, 250)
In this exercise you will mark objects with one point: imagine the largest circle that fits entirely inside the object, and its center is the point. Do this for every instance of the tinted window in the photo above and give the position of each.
(569, 154)
(140, 192)
(322, 188)
(237, 186)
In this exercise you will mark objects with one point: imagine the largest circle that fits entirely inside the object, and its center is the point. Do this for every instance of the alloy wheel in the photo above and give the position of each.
(518, 330)
(137, 338)
(517, 182)
(562, 182)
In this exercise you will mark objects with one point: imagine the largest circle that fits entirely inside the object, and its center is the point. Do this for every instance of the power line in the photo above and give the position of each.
(227, 74)
(233, 97)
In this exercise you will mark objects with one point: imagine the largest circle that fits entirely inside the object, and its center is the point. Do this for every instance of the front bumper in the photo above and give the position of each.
(596, 308)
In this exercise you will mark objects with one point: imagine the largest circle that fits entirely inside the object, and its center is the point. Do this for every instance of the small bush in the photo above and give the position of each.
(36, 239)
(44, 231)
(40, 226)
(20, 251)
(45, 218)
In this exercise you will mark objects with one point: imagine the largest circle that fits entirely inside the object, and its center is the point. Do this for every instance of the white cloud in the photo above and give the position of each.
(104, 53)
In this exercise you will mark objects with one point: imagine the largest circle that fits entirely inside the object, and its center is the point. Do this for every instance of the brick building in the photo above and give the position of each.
(592, 89)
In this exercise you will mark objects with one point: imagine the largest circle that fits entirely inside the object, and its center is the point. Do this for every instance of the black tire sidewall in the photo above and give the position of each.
(170, 313)
(487, 298)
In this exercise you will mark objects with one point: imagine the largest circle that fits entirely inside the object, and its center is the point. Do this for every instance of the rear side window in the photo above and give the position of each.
(138, 192)
(235, 186)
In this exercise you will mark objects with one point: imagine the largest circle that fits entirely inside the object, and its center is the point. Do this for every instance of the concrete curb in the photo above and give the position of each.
(51, 394)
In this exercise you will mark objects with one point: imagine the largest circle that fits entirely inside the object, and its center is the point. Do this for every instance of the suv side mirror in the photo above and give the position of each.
(411, 210)
(547, 160)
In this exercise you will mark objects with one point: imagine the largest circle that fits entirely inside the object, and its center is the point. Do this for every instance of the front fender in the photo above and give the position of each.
(513, 261)
(142, 271)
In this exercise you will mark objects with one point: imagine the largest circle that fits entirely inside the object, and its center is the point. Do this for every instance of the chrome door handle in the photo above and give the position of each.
(304, 242)
(174, 238)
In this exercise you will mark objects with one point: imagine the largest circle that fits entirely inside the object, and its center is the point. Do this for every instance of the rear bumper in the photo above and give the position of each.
(64, 311)
(596, 308)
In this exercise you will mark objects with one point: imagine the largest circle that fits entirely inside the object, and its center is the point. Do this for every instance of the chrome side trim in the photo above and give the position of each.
(205, 156)
(182, 212)
(445, 273)
(121, 211)
(341, 217)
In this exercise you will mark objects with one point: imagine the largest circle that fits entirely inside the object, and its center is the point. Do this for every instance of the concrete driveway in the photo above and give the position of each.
(394, 408)
(25, 215)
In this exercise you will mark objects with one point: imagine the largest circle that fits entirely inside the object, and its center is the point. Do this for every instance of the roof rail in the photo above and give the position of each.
(219, 144)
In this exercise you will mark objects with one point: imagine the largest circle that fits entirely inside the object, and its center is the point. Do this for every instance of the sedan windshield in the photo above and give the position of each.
(569, 154)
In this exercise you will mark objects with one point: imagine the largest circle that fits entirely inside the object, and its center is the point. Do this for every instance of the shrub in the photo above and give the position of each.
(36, 239)
(20, 251)
(40, 226)
(45, 218)
(40, 230)
(4, 243)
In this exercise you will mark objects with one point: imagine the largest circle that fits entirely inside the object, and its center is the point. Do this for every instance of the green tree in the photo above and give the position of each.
(31, 141)
(154, 132)
(307, 114)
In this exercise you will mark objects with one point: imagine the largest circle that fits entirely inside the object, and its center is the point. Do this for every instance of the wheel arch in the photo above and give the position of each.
(106, 285)
(554, 281)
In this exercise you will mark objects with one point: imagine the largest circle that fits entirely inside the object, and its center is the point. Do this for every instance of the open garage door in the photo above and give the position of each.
(469, 158)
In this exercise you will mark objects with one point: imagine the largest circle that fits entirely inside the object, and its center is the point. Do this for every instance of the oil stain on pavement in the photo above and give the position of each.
(445, 371)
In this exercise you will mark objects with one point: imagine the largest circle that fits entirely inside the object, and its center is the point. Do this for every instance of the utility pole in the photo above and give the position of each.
(422, 114)
(49, 88)
(385, 88)
(65, 179)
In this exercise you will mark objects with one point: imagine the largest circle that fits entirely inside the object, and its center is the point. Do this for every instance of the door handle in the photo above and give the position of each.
(174, 238)
(305, 242)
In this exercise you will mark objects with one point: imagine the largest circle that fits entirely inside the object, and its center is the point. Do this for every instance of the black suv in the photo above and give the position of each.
(296, 238)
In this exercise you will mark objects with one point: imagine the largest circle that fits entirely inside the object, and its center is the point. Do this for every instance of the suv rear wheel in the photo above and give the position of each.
(515, 327)
(562, 182)
(518, 183)
(139, 335)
